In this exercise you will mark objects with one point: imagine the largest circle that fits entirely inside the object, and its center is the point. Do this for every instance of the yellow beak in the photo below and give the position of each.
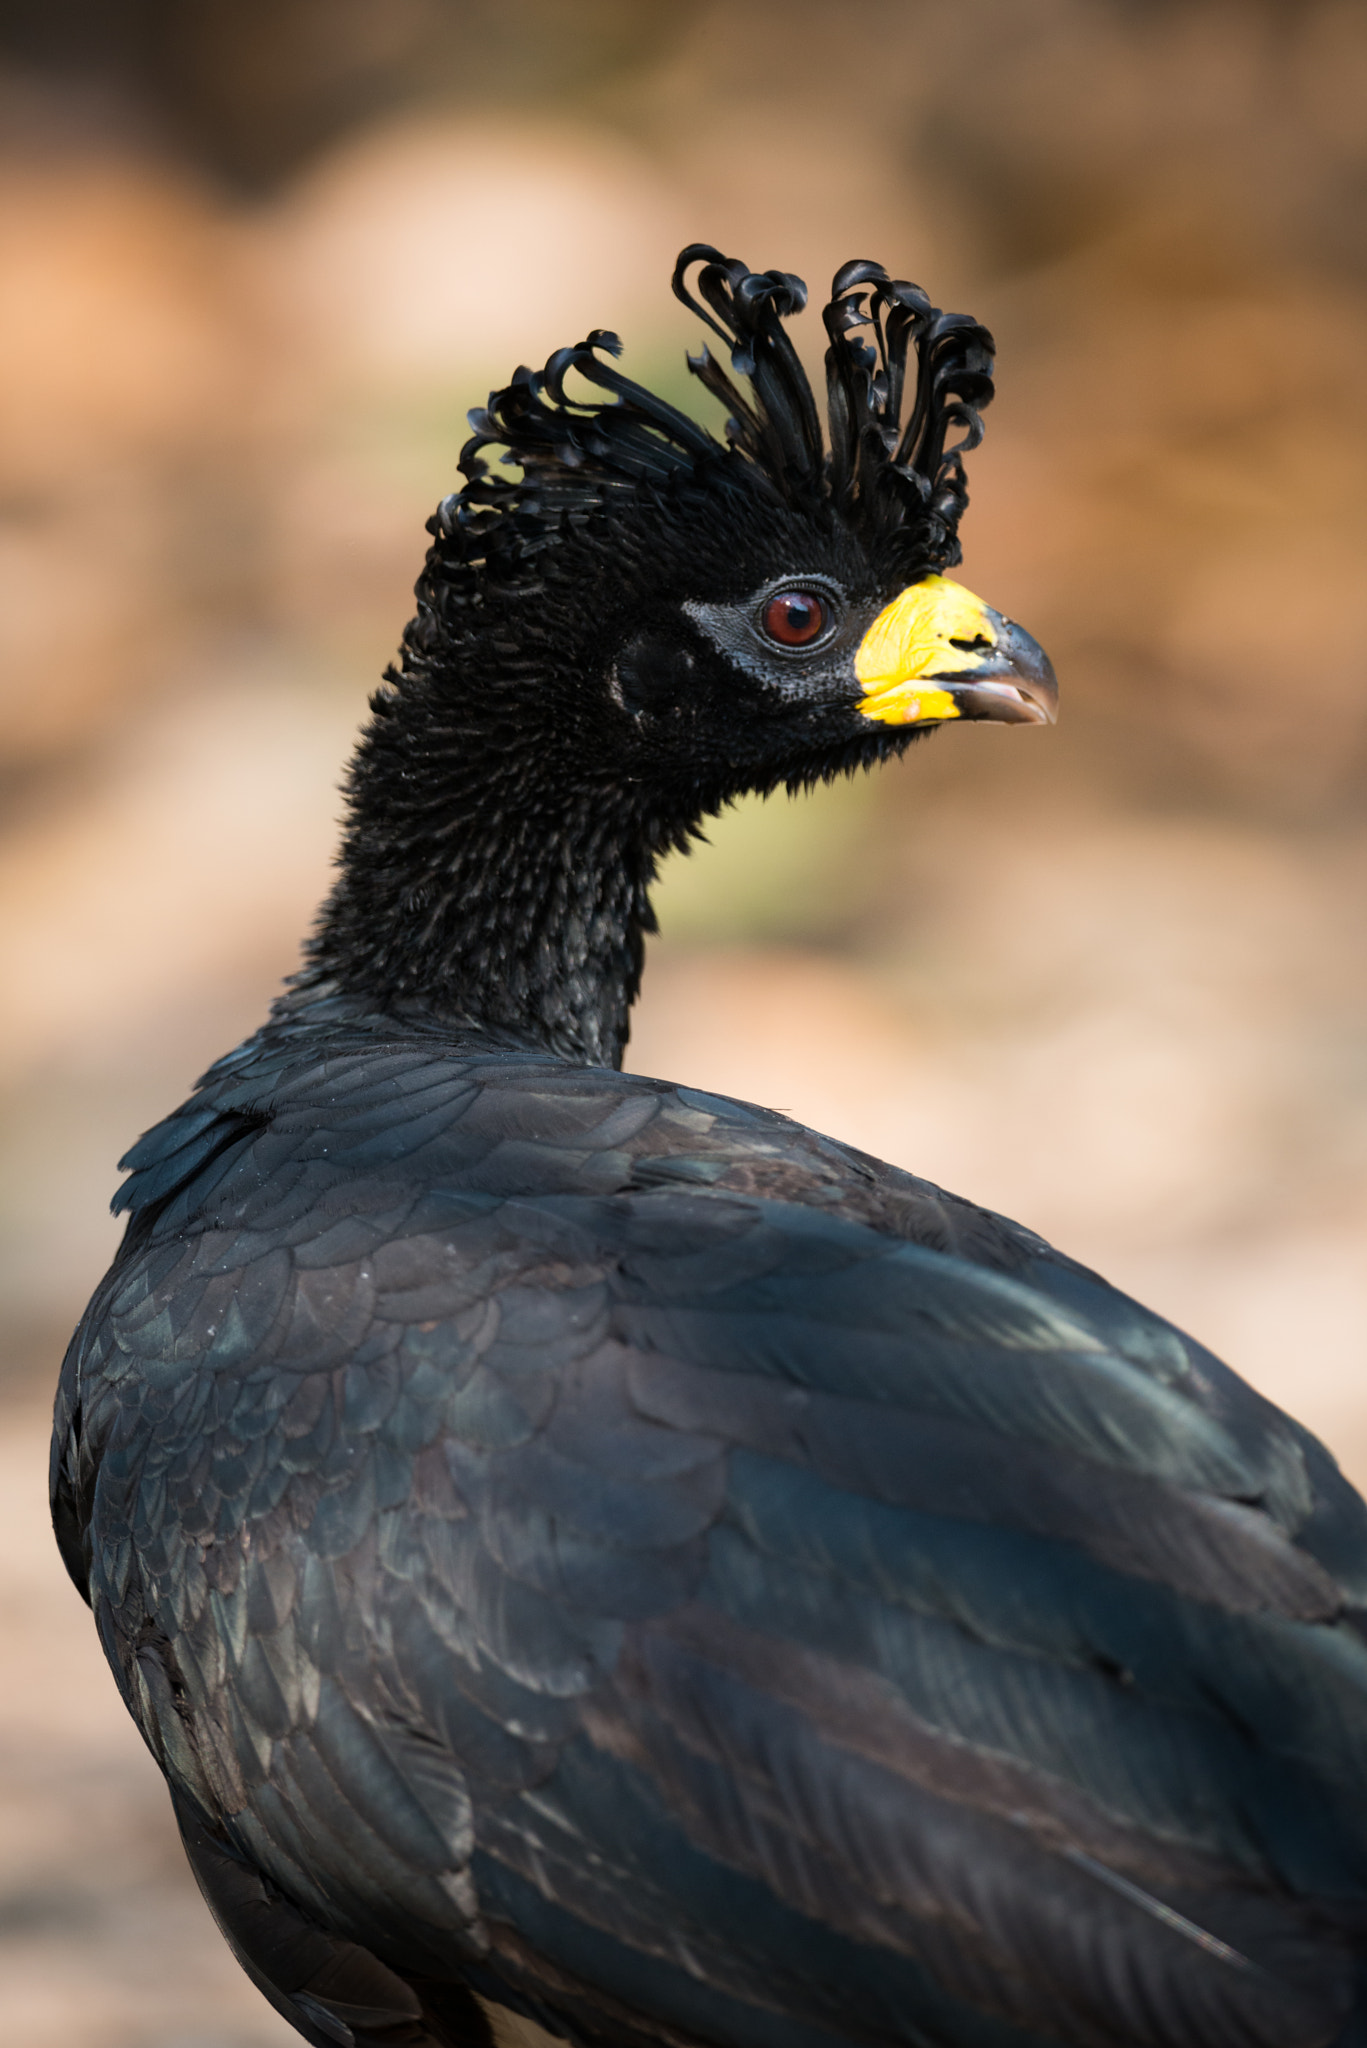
(939, 652)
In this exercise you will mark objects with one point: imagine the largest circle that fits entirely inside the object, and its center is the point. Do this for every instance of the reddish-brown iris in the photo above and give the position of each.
(794, 617)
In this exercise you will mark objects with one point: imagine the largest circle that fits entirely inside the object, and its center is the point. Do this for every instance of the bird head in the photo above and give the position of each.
(703, 616)
(624, 621)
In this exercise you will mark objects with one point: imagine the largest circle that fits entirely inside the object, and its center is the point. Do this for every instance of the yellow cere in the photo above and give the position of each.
(910, 639)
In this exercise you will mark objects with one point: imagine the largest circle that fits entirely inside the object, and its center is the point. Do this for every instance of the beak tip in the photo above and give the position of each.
(1040, 693)
(1018, 685)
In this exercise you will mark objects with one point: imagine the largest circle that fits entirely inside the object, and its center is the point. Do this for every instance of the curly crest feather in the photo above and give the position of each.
(897, 482)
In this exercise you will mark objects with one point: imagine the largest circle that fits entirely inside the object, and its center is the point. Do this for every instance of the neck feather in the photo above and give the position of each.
(491, 888)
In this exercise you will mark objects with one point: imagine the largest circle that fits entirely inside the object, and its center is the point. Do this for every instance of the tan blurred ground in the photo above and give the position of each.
(1110, 979)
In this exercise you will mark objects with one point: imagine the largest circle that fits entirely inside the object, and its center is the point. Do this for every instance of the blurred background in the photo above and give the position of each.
(257, 257)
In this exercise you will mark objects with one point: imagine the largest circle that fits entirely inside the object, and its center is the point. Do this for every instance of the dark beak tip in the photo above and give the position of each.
(1040, 691)
(1037, 710)
(1015, 685)
(1026, 666)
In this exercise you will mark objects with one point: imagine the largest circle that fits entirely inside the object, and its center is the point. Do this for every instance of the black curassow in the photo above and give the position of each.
(588, 1552)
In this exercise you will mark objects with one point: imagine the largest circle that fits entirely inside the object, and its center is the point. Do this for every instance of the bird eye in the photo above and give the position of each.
(793, 618)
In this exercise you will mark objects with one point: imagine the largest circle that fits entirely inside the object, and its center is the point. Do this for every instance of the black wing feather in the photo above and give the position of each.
(549, 1564)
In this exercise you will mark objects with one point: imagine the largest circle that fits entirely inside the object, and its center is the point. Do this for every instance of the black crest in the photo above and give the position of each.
(903, 380)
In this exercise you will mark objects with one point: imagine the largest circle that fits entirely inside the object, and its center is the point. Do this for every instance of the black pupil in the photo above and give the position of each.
(794, 616)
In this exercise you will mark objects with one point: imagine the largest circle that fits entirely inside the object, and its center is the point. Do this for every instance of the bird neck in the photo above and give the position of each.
(491, 888)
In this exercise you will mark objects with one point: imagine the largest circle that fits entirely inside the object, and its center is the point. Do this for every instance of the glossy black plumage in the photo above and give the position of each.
(583, 1546)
